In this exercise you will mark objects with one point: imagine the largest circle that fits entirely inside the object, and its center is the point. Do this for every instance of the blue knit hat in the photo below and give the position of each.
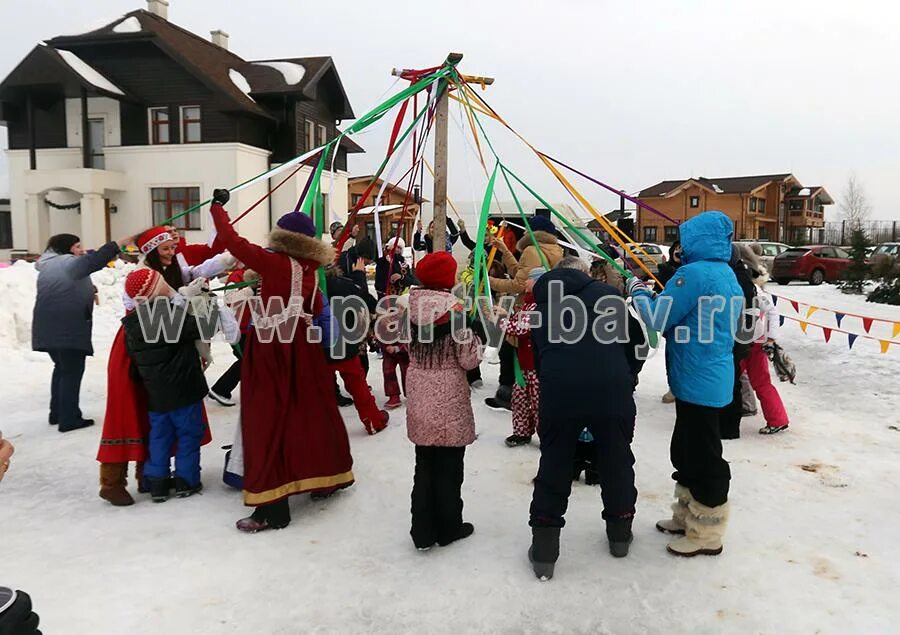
(297, 222)
(541, 224)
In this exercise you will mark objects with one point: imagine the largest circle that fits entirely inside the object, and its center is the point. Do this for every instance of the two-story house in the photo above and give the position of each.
(766, 207)
(398, 207)
(117, 129)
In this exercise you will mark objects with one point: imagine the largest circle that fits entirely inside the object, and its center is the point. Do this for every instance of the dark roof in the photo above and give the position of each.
(813, 191)
(720, 185)
(49, 66)
(212, 64)
(351, 146)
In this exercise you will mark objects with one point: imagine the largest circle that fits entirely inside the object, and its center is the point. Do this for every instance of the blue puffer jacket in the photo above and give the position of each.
(699, 334)
(63, 310)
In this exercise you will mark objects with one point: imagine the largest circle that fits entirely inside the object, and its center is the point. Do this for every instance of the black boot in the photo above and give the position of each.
(502, 400)
(591, 475)
(159, 489)
(183, 489)
(618, 532)
(465, 530)
(544, 551)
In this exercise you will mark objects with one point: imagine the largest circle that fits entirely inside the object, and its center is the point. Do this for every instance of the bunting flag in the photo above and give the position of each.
(780, 320)
(840, 316)
(885, 345)
(775, 300)
(796, 305)
(811, 310)
(803, 326)
(867, 323)
(827, 333)
(896, 329)
(851, 337)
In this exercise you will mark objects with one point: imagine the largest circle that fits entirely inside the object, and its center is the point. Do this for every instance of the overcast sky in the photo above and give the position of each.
(630, 92)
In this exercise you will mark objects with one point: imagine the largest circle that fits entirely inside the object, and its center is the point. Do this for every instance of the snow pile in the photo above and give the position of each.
(292, 72)
(87, 72)
(129, 25)
(241, 82)
(718, 189)
(803, 192)
(18, 288)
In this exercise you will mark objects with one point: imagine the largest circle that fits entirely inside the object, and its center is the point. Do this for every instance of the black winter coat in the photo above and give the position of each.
(587, 378)
(353, 284)
(666, 270)
(171, 372)
(745, 280)
(64, 308)
(382, 279)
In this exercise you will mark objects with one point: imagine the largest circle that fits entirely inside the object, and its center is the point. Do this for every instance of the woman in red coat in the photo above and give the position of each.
(294, 438)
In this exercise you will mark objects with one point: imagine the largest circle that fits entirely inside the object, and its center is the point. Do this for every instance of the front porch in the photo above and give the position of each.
(92, 188)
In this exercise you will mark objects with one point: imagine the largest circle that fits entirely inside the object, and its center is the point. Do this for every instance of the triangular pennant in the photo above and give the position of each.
(838, 317)
(803, 326)
(780, 320)
(775, 301)
(885, 345)
(811, 310)
(896, 329)
(827, 333)
(796, 305)
(867, 323)
(851, 337)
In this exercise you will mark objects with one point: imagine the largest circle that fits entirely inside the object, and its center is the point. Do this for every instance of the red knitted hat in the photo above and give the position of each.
(145, 283)
(437, 270)
(153, 238)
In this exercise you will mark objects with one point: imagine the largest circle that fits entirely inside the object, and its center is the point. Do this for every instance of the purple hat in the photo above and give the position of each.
(297, 222)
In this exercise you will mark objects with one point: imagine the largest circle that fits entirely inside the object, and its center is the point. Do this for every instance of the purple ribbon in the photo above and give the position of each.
(612, 189)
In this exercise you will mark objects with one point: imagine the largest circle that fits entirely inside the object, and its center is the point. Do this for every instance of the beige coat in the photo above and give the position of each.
(529, 259)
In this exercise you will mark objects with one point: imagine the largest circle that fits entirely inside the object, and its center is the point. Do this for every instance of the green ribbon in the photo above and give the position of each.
(517, 369)
(479, 260)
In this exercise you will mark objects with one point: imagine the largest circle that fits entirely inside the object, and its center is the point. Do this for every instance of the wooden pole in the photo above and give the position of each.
(441, 121)
(32, 139)
(86, 158)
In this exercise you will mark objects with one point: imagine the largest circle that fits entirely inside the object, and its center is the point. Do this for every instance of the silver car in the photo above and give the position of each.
(769, 251)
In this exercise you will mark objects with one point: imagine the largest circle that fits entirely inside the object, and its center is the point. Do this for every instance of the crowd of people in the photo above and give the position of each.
(576, 396)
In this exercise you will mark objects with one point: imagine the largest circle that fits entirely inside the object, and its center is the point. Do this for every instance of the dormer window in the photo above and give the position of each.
(159, 125)
(190, 124)
(323, 134)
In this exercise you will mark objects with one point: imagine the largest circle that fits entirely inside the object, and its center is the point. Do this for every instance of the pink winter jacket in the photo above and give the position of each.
(439, 402)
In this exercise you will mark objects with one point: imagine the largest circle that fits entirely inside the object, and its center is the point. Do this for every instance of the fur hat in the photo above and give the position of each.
(153, 238)
(146, 283)
(437, 271)
(297, 222)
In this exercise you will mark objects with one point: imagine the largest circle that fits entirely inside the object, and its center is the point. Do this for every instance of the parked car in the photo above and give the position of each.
(815, 263)
(885, 249)
(769, 251)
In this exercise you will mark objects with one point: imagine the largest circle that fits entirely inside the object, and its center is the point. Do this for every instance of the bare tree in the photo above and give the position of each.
(855, 207)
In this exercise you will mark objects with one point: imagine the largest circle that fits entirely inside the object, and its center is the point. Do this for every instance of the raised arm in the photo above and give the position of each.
(83, 266)
(253, 256)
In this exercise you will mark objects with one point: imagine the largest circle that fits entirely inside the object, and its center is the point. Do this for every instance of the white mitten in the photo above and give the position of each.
(194, 288)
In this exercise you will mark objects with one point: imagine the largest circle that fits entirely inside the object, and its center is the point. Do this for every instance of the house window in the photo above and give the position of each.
(6, 237)
(695, 201)
(375, 200)
(309, 133)
(159, 125)
(670, 233)
(761, 206)
(190, 124)
(96, 134)
(795, 206)
(354, 200)
(323, 135)
(649, 234)
(169, 201)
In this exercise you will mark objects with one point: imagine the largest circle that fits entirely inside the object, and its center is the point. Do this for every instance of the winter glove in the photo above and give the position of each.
(251, 276)
(634, 283)
(462, 225)
(221, 196)
(195, 288)
(227, 261)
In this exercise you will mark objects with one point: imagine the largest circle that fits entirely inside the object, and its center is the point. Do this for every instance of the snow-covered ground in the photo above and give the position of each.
(812, 546)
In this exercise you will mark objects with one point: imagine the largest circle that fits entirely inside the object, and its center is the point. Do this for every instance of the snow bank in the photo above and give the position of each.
(87, 72)
(18, 288)
(129, 25)
(241, 82)
(292, 72)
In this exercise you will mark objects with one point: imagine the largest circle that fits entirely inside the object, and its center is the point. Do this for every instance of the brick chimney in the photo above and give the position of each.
(159, 7)
(219, 38)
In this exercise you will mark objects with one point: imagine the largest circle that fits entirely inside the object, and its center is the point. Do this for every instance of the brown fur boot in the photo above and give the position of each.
(112, 484)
